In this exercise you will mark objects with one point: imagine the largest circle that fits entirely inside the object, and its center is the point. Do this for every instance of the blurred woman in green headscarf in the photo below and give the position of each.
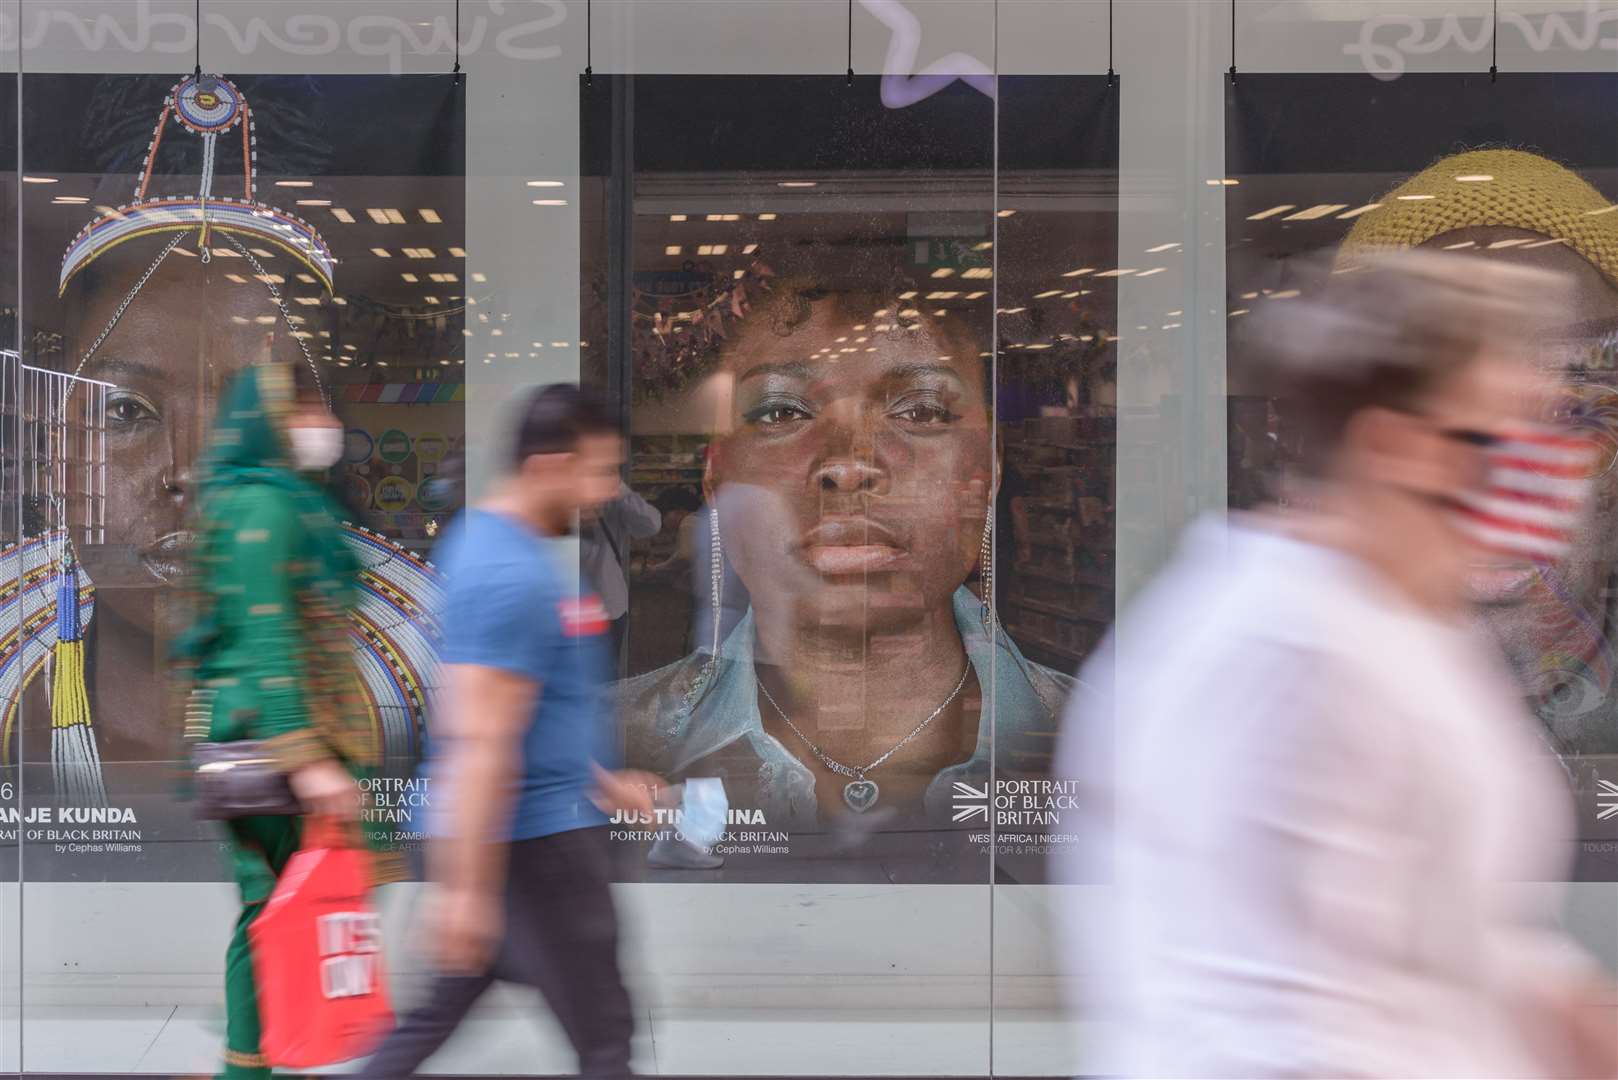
(268, 653)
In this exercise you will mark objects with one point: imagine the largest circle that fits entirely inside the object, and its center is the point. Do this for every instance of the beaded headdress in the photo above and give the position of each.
(211, 108)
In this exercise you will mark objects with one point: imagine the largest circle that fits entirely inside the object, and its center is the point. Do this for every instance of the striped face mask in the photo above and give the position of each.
(1538, 483)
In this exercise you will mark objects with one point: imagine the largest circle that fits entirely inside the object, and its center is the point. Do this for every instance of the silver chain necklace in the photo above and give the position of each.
(859, 793)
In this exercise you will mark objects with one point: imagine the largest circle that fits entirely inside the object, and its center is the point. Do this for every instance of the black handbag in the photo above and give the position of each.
(239, 779)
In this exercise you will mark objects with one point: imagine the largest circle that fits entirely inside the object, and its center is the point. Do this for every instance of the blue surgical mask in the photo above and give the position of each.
(704, 809)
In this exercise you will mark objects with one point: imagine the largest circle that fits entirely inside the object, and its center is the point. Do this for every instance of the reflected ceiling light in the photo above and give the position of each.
(1416, 198)
(1225, 182)
(306, 301)
(412, 278)
(314, 202)
(1047, 294)
(910, 295)
(1474, 178)
(796, 183)
(342, 215)
(381, 253)
(879, 312)
(480, 277)
(1250, 295)
(40, 180)
(1072, 295)
(107, 211)
(457, 253)
(1080, 272)
(1587, 213)
(377, 215)
(1120, 272)
(738, 274)
(550, 202)
(271, 279)
(938, 294)
(859, 326)
(977, 273)
(749, 249)
(340, 301)
(1173, 314)
(673, 249)
(430, 216)
(1010, 310)
(546, 183)
(909, 313)
(984, 245)
(558, 344)
(766, 217)
(940, 313)
(1238, 311)
(1461, 246)
(1040, 345)
(430, 300)
(394, 217)
(264, 320)
(1357, 211)
(1005, 213)
(1272, 211)
(1284, 294)
(1544, 243)
(944, 271)
(976, 295)
(1319, 210)
(261, 253)
(714, 217)
(237, 278)
(294, 183)
(1143, 273)
(1171, 326)
(351, 348)
(70, 200)
(676, 217)
(1515, 241)
(1163, 247)
(497, 332)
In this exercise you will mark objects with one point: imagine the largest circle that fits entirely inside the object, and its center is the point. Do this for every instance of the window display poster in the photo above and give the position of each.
(176, 228)
(1523, 168)
(840, 436)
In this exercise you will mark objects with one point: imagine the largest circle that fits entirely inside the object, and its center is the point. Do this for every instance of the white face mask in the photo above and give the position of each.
(315, 448)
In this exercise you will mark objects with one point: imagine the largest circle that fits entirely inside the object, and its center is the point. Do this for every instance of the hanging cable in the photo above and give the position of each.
(851, 42)
(196, 72)
(589, 35)
(457, 68)
(1494, 45)
(1232, 40)
(1111, 74)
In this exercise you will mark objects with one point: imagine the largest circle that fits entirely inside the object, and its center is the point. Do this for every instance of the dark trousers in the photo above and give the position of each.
(561, 937)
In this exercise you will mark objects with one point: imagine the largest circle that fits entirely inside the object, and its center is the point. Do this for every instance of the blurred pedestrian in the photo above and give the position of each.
(1307, 778)
(269, 655)
(520, 849)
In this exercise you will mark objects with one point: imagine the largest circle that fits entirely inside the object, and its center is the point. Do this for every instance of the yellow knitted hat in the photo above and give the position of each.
(1505, 188)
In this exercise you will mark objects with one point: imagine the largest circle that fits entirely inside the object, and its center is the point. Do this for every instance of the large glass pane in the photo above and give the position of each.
(791, 300)
(178, 229)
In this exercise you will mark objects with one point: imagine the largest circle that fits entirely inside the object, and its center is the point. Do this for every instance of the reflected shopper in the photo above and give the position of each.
(604, 537)
(520, 851)
(269, 653)
(1309, 782)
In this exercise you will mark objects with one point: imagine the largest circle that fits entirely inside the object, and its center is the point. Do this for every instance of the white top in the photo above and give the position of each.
(1323, 803)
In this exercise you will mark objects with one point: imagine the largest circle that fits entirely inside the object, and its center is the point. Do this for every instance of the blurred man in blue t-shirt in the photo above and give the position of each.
(521, 755)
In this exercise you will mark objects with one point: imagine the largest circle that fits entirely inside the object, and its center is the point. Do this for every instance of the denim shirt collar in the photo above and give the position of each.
(724, 709)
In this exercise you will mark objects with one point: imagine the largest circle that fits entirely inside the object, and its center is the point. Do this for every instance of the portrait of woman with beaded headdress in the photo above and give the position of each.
(188, 263)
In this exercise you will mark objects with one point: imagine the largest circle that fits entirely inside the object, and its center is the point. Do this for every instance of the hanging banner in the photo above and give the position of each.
(180, 229)
(876, 709)
(1522, 169)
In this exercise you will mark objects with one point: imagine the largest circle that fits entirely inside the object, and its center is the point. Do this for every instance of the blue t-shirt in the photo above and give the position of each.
(506, 606)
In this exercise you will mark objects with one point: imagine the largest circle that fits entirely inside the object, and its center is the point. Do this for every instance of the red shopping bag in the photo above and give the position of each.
(317, 957)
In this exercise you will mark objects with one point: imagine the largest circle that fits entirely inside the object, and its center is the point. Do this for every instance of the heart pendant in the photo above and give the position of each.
(860, 795)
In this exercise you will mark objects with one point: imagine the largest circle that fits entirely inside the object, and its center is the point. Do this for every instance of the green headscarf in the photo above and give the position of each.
(248, 445)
